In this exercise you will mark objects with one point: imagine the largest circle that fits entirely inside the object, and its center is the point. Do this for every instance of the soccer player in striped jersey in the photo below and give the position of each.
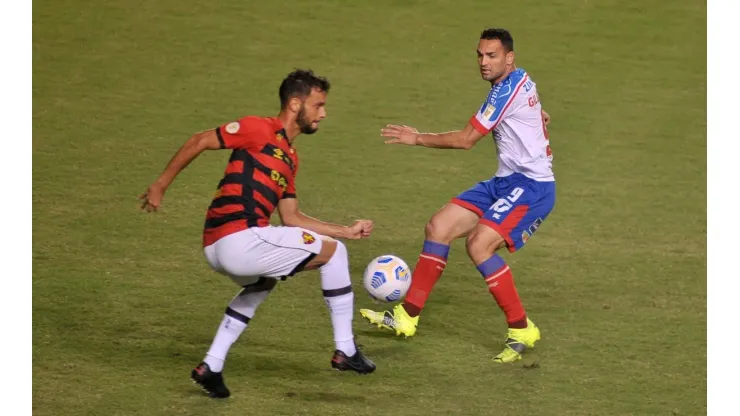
(504, 211)
(239, 241)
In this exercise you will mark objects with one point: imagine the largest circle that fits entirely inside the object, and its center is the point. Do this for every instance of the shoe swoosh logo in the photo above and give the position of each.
(515, 345)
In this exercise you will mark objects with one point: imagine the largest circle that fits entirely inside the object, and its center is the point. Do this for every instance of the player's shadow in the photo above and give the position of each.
(324, 396)
(372, 332)
(294, 394)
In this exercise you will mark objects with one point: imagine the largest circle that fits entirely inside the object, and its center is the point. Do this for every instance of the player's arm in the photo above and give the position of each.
(291, 216)
(483, 122)
(459, 139)
(207, 140)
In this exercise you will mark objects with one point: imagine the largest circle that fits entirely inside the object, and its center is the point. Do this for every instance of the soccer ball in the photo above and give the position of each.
(387, 278)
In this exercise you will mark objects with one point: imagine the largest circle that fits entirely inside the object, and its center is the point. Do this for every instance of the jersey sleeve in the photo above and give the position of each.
(495, 107)
(240, 134)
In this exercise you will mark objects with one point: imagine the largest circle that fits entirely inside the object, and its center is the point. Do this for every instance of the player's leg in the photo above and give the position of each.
(236, 318)
(228, 256)
(330, 257)
(448, 224)
(336, 285)
(456, 219)
(482, 244)
(240, 311)
(509, 223)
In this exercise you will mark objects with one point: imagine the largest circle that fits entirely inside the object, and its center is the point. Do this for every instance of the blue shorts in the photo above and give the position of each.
(513, 205)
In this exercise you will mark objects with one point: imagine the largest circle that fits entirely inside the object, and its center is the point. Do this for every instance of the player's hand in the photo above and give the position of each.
(400, 134)
(151, 199)
(360, 229)
(545, 117)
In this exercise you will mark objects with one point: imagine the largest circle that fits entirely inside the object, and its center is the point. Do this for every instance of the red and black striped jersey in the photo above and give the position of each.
(260, 172)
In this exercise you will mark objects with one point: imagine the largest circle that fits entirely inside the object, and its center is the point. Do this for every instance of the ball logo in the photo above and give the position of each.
(308, 238)
(232, 128)
(402, 274)
(394, 296)
(377, 280)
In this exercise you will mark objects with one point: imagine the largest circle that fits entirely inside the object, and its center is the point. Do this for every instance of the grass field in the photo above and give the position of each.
(124, 304)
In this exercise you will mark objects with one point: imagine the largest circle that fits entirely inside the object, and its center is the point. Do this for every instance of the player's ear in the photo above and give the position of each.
(510, 58)
(294, 104)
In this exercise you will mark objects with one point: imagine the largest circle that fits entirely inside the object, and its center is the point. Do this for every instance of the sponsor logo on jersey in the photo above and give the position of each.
(308, 238)
(533, 100)
(528, 85)
(488, 112)
(535, 225)
(279, 179)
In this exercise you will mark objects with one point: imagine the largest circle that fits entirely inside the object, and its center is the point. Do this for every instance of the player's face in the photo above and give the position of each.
(493, 59)
(312, 111)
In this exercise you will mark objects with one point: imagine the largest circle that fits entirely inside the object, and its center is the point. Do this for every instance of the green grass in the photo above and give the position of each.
(124, 304)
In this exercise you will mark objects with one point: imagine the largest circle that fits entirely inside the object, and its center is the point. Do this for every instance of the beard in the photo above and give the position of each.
(303, 123)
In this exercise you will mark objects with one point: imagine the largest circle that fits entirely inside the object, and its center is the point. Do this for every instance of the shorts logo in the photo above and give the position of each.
(525, 237)
(232, 128)
(535, 225)
(308, 238)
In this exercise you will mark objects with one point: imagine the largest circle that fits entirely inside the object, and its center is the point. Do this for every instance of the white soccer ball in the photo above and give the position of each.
(387, 278)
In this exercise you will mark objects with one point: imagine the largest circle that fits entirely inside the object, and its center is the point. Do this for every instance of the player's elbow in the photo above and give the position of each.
(206, 140)
(465, 141)
(468, 137)
(465, 144)
(291, 222)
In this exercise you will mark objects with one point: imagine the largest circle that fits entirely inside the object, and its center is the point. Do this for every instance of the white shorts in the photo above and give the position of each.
(263, 252)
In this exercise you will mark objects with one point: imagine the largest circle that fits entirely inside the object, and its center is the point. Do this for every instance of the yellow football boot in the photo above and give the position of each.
(517, 341)
(396, 320)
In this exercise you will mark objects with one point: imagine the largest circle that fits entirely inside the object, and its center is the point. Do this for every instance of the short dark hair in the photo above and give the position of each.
(501, 34)
(300, 83)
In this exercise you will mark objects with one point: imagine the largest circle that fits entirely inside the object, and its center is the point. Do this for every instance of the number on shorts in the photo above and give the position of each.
(505, 204)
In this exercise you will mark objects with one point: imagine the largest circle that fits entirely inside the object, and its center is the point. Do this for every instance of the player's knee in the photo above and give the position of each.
(437, 230)
(262, 284)
(330, 249)
(481, 244)
(340, 251)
